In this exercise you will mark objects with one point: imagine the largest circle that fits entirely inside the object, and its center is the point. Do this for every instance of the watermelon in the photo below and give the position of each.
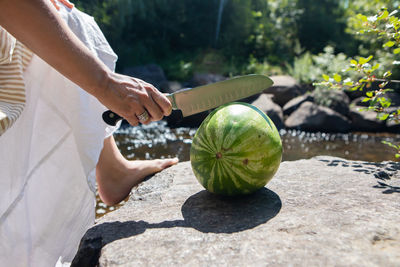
(236, 150)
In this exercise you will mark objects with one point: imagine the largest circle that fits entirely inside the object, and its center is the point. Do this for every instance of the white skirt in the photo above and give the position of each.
(48, 159)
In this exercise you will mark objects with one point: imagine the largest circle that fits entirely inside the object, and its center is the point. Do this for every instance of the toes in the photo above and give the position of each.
(169, 162)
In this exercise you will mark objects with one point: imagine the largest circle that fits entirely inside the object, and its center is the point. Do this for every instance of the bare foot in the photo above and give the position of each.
(115, 186)
(116, 176)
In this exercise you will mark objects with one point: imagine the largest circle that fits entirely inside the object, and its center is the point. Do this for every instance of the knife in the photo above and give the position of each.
(194, 100)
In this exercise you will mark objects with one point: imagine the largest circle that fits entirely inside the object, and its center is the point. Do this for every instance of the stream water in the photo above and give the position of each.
(157, 140)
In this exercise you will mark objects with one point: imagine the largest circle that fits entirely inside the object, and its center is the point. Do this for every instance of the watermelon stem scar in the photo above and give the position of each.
(218, 155)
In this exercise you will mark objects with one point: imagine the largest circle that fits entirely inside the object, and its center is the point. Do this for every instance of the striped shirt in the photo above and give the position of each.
(14, 58)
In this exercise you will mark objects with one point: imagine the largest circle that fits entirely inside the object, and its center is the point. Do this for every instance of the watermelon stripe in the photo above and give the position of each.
(202, 144)
(238, 179)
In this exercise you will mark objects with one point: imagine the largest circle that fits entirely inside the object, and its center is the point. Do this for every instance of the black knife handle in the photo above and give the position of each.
(111, 118)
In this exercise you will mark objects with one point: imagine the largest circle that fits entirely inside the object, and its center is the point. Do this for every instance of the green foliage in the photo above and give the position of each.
(396, 147)
(275, 35)
(368, 7)
(322, 23)
(385, 27)
(256, 67)
(160, 31)
(308, 68)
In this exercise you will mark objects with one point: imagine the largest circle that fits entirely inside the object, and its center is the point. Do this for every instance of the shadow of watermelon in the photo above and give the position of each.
(210, 213)
(203, 211)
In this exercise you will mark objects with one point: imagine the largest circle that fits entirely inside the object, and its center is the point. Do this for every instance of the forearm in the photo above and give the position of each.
(36, 24)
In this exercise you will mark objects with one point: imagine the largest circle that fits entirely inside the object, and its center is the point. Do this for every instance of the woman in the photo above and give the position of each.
(58, 146)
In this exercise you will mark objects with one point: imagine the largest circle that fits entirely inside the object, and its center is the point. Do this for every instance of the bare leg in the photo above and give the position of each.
(116, 175)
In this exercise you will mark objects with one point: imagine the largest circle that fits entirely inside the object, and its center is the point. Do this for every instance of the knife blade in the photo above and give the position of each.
(194, 100)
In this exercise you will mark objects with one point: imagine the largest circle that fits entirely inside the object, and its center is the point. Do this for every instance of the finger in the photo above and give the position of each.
(146, 99)
(160, 99)
(144, 117)
(132, 120)
(163, 102)
(153, 109)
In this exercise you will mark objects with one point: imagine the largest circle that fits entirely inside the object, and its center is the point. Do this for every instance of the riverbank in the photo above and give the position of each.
(158, 140)
(320, 211)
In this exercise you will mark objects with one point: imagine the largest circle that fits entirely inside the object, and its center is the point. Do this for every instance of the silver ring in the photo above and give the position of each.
(143, 117)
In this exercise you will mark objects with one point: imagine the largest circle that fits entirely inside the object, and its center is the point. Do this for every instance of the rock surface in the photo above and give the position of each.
(274, 111)
(336, 100)
(365, 120)
(284, 89)
(320, 212)
(199, 79)
(295, 103)
(312, 117)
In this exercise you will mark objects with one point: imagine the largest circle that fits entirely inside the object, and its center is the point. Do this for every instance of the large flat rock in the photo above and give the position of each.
(320, 212)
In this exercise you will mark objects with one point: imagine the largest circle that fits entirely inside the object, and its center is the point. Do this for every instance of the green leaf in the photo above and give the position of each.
(366, 99)
(370, 94)
(384, 15)
(362, 17)
(389, 44)
(373, 102)
(382, 116)
(364, 60)
(326, 77)
(386, 104)
(387, 74)
(353, 62)
(396, 51)
(348, 82)
(391, 144)
(375, 67)
(337, 78)
(387, 90)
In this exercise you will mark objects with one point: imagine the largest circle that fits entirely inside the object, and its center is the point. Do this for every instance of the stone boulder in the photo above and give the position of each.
(313, 118)
(170, 87)
(295, 103)
(323, 211)
(357, 94)
(284, 89)
(392, 125)
(394, 97)
(365, 120)
(150, 73)
(336, 100)
(264, 102)
(359, 102)
(205, 78)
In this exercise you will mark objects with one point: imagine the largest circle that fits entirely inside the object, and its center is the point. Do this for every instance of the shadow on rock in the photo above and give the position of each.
(385, 172)
(207, 212)
(203, 211)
